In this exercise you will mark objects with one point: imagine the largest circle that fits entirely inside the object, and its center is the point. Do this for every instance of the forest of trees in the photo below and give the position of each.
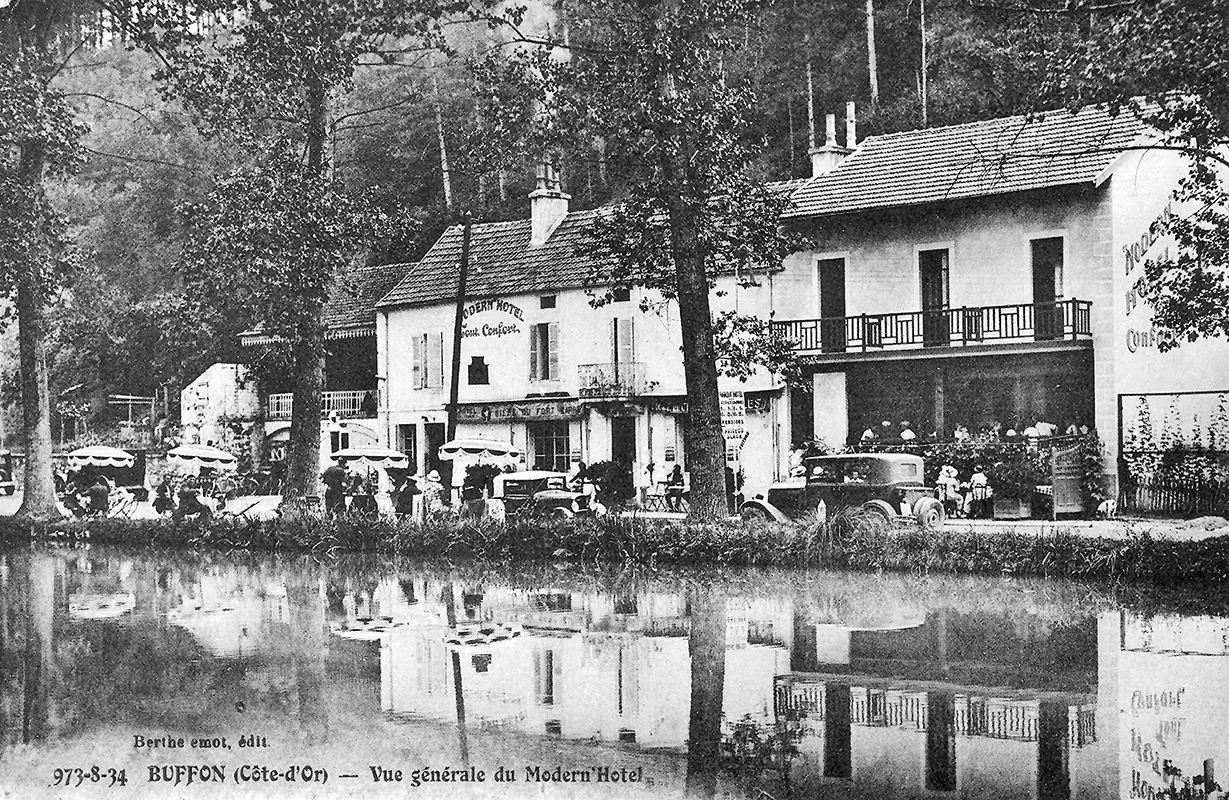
(412, 112)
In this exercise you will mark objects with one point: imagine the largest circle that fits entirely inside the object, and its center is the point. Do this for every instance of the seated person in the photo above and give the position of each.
(675, 486)
(403, 500)
(854, 476)
(190, 504)
(949, 490)
(99, 496)
(980, 495)
(906, 432)
(164, 501)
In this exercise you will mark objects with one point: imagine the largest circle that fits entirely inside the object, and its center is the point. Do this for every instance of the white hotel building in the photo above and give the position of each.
(960, 275)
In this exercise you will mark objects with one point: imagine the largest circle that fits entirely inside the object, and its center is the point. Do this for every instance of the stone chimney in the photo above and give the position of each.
(824, 159)
(548, 205)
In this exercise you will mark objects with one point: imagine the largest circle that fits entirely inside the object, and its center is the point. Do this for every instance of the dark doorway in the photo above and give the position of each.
(1047, 287)
(933, 266)
(623, 440)
(832, 305)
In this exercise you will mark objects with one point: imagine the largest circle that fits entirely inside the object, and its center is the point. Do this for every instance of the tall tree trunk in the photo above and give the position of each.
(703, 447)
(922, 87)
(307, 350)
(38, 499)
(439, 132)
(871, 65)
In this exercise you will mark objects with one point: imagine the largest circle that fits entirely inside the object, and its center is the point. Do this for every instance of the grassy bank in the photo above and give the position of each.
(848, 542)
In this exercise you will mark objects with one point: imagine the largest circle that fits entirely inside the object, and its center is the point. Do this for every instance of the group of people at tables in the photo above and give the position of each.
(888, 432)
(87, 492)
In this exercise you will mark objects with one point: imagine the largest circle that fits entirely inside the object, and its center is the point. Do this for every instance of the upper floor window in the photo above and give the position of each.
(621, 294)
(544, 351)
(623, 339)
(548, 300)
(427, 358)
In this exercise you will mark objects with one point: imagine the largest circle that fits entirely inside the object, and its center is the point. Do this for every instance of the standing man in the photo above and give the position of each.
(337, 480)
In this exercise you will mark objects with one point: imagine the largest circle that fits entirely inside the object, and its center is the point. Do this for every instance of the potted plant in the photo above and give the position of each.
(1014, 480)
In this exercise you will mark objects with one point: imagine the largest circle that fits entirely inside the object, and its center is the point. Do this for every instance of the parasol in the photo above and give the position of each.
(373, 454)
(476, 447)
(100, 456)
(196, 456)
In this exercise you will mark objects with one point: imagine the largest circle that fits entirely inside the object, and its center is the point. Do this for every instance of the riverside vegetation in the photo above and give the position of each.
(850, 541)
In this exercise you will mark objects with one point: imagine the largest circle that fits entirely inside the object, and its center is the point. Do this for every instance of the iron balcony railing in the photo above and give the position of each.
(345, 404)
(949, 327)
(619, 379)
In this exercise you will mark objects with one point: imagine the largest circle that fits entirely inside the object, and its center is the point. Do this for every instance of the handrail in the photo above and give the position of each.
(950, 327)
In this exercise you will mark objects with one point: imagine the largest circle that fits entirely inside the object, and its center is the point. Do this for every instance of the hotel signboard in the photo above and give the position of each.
(525, 411)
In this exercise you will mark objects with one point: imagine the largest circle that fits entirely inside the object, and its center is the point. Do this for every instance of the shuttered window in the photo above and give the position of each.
(427, 359)
(544, 351)
(624, 339)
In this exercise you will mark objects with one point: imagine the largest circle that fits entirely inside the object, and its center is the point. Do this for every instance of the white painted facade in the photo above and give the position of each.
(517, 403)
(222, 392)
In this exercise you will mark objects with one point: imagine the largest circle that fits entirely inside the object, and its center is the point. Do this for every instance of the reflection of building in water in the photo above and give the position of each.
(610, 667)
(1173, 698)
(230, 616)
(980, 704)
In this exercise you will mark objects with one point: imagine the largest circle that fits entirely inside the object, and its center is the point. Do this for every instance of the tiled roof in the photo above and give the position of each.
(350, 309)
(353, 298)
(501, 262)
(977, 159)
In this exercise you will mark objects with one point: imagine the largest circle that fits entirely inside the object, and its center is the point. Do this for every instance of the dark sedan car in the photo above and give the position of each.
(888, 484)
(541, 493)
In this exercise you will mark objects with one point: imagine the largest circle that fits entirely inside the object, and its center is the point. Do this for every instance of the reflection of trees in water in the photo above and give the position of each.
(706, 644)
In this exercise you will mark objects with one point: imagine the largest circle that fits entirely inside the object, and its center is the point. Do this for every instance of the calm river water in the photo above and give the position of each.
(131, 674)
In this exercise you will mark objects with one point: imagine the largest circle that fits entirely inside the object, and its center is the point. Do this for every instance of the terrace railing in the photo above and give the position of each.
(613, 380)
(951, 327)
(345, 404)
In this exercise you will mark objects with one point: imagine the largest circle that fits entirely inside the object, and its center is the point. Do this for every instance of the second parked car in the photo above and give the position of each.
(887, 484)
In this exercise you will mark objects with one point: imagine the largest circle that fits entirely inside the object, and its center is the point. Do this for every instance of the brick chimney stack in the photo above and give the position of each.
(548, 205)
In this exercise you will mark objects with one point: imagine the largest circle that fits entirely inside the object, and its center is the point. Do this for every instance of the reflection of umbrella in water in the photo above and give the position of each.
(480, 635)
(100, 606)
(364, 629)
(100, 456)
(477, 447)
(195, 456)
(373, 455)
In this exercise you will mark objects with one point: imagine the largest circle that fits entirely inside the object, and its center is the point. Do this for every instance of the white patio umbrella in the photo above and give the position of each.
(478, 448)
(195, 456)
(374, 455)
(100, 455)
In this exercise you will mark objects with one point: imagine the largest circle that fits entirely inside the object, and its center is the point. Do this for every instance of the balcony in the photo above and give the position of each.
(608, 381)
(345, 404)
(952, 327)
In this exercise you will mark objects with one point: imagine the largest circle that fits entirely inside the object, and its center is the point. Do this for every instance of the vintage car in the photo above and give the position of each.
(889, 484)
(7, 485)
(541, 493)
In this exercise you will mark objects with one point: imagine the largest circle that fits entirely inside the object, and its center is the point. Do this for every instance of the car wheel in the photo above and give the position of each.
(754, 514)
(929, 514)
(562, 513)
(881, 510)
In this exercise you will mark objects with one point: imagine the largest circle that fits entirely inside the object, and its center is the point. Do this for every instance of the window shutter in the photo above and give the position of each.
(552, 343)
(435, 368)
(557, 682)
(533, 352)
(416, 347)
(625, 340)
